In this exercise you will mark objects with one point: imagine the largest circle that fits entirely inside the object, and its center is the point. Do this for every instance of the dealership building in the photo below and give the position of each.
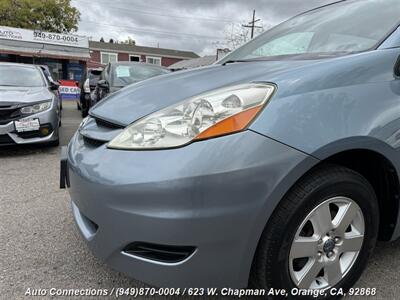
(102, 53)
(66, 55)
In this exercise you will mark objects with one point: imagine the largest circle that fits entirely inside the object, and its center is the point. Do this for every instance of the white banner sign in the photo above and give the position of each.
(25, 35)
(69, 92)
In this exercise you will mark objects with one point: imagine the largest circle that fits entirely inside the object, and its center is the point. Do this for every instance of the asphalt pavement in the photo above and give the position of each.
(40, 247)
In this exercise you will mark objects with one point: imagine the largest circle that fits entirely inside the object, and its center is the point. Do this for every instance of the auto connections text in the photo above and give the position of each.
(231, 292)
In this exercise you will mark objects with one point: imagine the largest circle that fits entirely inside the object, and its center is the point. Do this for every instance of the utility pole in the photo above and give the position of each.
(252, 24)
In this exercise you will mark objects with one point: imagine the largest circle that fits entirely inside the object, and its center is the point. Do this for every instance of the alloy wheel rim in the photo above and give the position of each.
(327, 244)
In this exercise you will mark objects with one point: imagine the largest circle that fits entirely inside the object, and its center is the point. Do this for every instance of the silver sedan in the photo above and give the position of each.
(29, 106)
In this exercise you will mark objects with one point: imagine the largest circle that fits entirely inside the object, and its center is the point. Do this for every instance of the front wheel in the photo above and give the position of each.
(321, 235)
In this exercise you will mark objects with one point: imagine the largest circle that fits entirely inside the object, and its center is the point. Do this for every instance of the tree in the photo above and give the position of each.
(49, 15)
(102, 40)
(128, 41)
(235, 36)
(111, 41)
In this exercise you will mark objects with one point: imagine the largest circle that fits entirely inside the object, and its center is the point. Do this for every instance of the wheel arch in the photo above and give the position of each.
(378, 163)
(364, 155)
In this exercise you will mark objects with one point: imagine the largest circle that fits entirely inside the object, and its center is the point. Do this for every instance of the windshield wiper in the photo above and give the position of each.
(238, 61)
(301, 56)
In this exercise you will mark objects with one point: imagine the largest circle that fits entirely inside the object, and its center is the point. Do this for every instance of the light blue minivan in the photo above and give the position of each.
(275, 167)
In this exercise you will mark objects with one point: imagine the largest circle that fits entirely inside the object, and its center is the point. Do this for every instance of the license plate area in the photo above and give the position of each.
(27, 125)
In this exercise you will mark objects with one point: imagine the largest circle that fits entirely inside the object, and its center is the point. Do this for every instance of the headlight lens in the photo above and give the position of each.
(36, 108)
(213, 114)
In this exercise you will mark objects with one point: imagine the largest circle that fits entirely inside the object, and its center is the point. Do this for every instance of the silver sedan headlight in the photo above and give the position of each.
(36, 108)
(209, 115)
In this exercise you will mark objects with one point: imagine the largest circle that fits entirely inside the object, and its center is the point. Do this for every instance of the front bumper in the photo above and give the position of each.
(48, 118)
(214, 195)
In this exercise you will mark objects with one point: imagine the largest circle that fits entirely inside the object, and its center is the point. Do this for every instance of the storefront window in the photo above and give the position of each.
(55, 66)
(5, 57)
(108, 57)
(134, 58)
(153, 60)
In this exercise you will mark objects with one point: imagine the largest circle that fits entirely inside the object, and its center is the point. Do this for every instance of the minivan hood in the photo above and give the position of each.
(138, 100)
(10, 95)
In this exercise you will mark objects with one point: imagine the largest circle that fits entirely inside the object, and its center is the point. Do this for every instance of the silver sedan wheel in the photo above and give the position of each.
(327, 244)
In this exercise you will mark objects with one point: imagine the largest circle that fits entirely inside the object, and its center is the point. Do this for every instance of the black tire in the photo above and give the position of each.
(270, 267)
(84, 112)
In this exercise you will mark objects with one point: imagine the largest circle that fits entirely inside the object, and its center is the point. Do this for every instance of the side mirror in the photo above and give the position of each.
(103, 84)
(54, 86)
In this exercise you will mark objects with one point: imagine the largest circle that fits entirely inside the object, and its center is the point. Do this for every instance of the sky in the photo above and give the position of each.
(195, 25)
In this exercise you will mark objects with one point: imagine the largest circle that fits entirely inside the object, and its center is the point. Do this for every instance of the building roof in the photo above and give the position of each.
(193, 63)
(134, 49)
(19, 65)
(43, 50)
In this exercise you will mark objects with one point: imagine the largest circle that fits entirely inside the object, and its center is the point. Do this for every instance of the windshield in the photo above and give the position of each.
(342, 28)
(123, 75)
(20, 76)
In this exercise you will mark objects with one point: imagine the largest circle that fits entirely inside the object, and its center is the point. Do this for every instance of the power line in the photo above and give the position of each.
(252, 24)
(169, 33)
(189, 17)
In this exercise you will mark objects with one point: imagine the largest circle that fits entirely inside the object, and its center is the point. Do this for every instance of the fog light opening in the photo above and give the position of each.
(45, 130)
(159, 253)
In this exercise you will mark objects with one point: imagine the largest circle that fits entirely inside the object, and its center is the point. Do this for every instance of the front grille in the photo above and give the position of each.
(9, 113)
(160, 253)
(6, 140)
(107, 124)
(92, 142)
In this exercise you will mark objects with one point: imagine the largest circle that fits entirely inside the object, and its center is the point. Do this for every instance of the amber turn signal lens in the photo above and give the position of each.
(232, 124)
(44, 131)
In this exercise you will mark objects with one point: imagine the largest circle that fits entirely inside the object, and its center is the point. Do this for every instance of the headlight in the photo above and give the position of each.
(36, 108)
(213, 114)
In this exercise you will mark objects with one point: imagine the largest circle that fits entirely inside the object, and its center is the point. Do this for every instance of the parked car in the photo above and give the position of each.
(117, 75)
(277, 167)
(52, 81)
(29, 106)
(88, 85)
